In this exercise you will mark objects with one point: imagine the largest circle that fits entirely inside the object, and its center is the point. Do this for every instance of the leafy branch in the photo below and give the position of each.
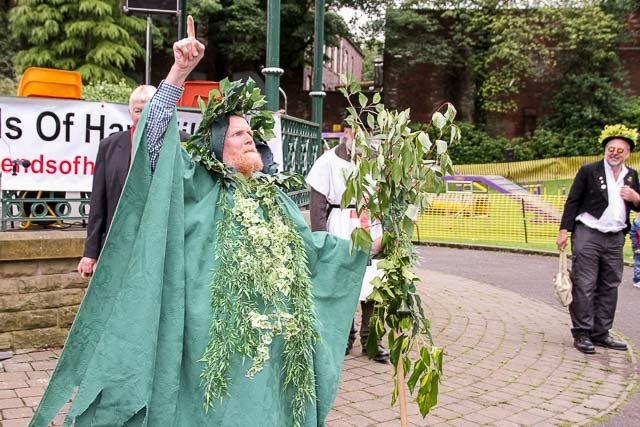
(395, 169)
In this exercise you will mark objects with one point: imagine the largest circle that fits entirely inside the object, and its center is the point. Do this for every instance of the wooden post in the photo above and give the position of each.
(402, 397)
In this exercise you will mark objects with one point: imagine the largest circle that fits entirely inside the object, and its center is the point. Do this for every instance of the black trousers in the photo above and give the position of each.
(596, 272)
(367, 311)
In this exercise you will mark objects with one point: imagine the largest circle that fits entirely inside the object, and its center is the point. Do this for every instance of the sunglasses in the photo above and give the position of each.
(615, 149)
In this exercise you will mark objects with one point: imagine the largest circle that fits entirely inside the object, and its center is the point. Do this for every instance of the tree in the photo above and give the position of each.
(236, 31)
(7, 46)
(92, 37)
(500, 45)
(391, 181)
(589, 82)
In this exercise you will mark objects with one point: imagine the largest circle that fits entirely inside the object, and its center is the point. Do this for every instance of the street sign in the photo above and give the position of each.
(148, 7)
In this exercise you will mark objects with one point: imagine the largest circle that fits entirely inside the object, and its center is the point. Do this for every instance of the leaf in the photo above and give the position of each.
(362, 99)
(375, 295)
(361, 239)
(349, 193)
(376, 97)
(370, 120)
(418, 369)
(382, 120)
(354, 87)
(438, 120)
(450, 114)
(424, 139)
(441, 146)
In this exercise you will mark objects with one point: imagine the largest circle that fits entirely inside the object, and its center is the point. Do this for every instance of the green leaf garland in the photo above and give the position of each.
(261, 290)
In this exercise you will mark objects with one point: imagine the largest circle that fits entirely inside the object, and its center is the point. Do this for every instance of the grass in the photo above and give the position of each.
(491, 219)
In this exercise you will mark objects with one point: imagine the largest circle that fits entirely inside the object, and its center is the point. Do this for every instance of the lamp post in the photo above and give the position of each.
(182, 20)
(272, 71)
(317, 94)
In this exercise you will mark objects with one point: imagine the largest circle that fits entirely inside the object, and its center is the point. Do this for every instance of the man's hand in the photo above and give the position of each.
(630, 195)
(561, 241)
(187, 53)
(86, 266)
(376, 246)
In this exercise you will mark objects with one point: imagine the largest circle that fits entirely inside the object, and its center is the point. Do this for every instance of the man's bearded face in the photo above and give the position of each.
(239, 149)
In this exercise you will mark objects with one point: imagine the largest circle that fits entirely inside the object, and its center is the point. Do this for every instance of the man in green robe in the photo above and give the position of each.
(212, 302)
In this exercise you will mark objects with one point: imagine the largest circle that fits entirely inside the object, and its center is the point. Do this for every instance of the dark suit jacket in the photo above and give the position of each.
(110, 173)
(588, 195)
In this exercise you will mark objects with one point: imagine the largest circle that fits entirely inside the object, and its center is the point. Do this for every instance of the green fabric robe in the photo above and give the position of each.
(134, 347)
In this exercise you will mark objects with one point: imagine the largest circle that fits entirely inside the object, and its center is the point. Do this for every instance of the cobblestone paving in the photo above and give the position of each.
(509, 361)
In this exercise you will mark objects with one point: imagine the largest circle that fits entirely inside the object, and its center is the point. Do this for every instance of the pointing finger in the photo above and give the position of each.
(191, 30)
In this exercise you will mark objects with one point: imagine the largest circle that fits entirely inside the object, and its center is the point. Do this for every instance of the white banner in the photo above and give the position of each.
(60, 139)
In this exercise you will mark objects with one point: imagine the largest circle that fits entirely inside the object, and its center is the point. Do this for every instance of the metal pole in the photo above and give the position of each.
(272, 71)
(317, 94)
(182, 20)
(147, 73)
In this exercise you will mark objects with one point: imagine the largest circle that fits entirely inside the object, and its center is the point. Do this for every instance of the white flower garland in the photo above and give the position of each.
(261, 291)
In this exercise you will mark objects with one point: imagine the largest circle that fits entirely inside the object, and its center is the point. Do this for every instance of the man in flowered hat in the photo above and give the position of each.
(597, 215)
(212, 303)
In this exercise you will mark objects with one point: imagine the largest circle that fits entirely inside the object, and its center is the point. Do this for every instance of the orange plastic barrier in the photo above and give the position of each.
(50, 83)
(193, 89)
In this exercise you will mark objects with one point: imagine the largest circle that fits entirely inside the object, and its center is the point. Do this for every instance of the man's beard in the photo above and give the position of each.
(348, 142)
(248, 163)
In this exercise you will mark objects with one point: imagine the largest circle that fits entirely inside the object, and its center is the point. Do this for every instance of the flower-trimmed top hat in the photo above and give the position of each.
(619, 131)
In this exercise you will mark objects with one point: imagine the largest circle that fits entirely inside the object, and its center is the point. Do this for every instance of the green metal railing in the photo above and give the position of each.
(300, 149)
(21, 209)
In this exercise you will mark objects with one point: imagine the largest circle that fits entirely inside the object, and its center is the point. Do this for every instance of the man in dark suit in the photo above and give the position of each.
(111, 170)
(597, 215)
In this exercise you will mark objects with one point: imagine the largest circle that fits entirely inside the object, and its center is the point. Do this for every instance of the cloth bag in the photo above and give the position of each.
(562, 281)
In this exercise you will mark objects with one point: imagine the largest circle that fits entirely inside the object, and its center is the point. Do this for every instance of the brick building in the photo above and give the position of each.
(343, 59)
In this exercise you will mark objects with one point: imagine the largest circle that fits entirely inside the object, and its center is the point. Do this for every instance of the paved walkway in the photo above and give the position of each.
(509, 361)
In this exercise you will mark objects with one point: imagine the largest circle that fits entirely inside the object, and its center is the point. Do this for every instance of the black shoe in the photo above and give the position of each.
(382, 356)
(610, 342)
(349, 347)
(583, 343)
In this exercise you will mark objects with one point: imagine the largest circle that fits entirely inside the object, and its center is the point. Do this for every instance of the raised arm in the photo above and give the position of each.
(187, 53)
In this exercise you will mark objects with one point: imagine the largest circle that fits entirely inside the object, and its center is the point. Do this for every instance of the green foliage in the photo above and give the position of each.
(104, 91)
(7, 46)
(416, 37)
(239, 30)
(391, 181)
(236, 33)
(498, 46)
(261, 289)
(630, 113)
(374, 10)
(8, 87)
(587, 86)
(476, 146)
(92, 37)
(372, 52)
(546, 143)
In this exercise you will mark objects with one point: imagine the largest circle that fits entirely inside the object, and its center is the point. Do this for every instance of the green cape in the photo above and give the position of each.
(134, 347)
